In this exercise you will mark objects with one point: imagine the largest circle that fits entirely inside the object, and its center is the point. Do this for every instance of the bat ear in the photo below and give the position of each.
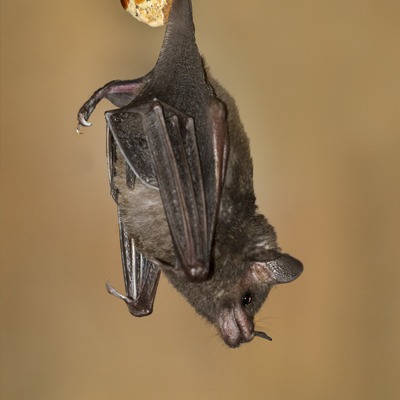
(283, 269)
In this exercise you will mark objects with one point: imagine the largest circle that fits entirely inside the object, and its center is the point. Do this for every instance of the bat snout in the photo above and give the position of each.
(236, 327)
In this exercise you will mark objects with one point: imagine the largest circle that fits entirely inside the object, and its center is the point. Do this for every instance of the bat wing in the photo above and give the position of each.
(160, 145)
(141, 277)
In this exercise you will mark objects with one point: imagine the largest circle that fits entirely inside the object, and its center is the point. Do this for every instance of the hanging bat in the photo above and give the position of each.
(180, 173)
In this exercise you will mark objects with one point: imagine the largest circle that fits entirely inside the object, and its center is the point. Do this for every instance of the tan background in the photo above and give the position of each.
(318, 86)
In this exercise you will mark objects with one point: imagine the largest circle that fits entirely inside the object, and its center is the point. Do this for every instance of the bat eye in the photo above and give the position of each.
(247, 299)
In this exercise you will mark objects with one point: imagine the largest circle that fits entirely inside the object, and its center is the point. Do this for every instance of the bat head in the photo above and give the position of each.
(236, 291)
(238, 305)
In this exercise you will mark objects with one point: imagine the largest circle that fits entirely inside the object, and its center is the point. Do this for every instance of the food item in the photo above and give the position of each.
(151, 12)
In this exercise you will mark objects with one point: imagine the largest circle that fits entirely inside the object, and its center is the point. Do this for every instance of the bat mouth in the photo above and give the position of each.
(236, 328)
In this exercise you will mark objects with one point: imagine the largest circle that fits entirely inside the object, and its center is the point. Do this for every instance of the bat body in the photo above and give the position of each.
(181, 174)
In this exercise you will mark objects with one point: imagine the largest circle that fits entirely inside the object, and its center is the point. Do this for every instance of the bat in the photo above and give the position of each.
(181, 174)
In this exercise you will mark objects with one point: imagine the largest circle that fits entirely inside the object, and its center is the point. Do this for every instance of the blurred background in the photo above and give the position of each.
(318, 87)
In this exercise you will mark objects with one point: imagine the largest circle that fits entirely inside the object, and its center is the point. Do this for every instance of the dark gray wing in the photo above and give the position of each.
(159, 144)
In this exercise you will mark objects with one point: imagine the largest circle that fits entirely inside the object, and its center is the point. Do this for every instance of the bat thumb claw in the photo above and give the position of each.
(112, 291)
(78, 129)
(82, 121)
(81, 124)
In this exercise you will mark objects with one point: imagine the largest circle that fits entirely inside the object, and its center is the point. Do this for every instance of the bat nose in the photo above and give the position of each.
(236, 341)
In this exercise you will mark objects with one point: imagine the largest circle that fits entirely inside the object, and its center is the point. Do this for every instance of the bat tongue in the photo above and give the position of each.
(262, 335)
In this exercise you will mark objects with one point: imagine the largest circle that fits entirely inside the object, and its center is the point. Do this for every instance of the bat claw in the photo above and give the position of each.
(82, 119)
(135, 307)
(112, 291)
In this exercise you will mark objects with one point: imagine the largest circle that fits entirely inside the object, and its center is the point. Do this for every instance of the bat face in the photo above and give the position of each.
(229, 305)
(237, 290)
(180, 173)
